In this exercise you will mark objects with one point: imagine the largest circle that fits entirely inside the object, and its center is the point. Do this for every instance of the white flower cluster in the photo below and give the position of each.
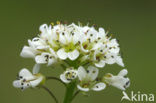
(83, 49)
(62, 42)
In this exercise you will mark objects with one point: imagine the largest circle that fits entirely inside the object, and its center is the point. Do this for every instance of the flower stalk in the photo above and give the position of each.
(69, 92)
(52, 95)
(55, 78)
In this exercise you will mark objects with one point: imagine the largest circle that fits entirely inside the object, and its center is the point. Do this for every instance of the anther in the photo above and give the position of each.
(94, 71)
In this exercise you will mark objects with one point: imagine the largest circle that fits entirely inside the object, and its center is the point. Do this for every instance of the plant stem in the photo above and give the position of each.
(55, 78)
(76, 93)
(69, 92)
(52, 95)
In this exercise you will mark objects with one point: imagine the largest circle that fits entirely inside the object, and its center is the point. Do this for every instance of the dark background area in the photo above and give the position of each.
(131, 21)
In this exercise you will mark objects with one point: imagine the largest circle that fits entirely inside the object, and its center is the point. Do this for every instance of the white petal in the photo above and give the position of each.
(51, 61)
(73, 55)
(17, 84)
(100, 64)
(37, 43)
(43, 28)
(119, 61)
(25, 73)
(62, 38)
(84, 50)
(36, 68)
(76, 37)
(28, 52)
(123, 72)
(81, 73)
(52, 52)
(115, 50)
(99, 86)
(62, 54)
(40, 59)
(92, 72)
(82, 89)
(102, 32)
(97, 45)
(36, 82)
(63, 78)
(42, 47)
(121, 83)
(110, 60)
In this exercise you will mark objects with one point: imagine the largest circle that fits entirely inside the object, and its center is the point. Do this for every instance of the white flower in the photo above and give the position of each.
(45, 57)
(88, 79)
(46, 31)
(62, 41)
(64, 55)
(103, 56)
(69, 40)
(68, 75)
(118, 81)
(35, 47)
(28, 52)
(113, 46)
(26, 79)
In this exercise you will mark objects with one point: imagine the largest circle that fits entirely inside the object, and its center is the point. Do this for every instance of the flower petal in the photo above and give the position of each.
(99, 86)
(84, 50)
(92, 72)
(119, 61)
(82, 89)
(111, 59)
(25, 73)
(118, 81)
(43, 28)
(101, 32)
(27, 52)
(63, 78)
(100, 64)
(123, 72)
(17, 84)
(73, 55)
(51, 61)
(62, 38)
(81, 73)
(62, 54)
(36, 82)
(36, 68)
(40, 59)
(121, 83)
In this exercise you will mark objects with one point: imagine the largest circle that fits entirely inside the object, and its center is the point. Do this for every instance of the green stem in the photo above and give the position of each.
(52, 95)
(55, 78)
(69, 92)
(76, 93)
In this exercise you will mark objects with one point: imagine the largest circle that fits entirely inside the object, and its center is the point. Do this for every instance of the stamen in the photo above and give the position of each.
(94, 71)
(97, 86)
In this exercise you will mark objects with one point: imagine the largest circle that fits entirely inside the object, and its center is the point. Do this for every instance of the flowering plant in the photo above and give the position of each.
(81, 51)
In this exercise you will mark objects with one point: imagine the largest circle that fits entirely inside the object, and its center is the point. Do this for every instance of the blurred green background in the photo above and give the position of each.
(132, 22)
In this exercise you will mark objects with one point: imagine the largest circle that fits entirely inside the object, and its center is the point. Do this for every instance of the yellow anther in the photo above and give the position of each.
(58, 22)
(52, 24)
